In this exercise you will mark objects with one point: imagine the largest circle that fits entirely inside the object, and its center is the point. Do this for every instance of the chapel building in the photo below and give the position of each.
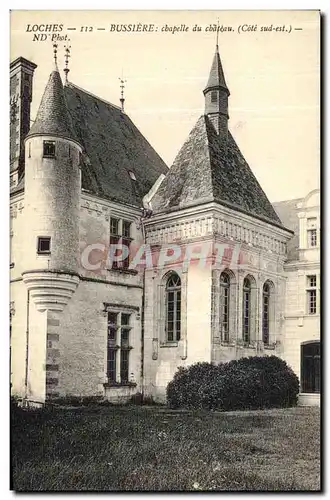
(201, 270)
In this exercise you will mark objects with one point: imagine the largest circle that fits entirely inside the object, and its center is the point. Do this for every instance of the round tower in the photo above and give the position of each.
(52, 186)
(50, 257)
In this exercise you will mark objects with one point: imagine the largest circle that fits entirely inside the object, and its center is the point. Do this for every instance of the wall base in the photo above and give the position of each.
(309, 399)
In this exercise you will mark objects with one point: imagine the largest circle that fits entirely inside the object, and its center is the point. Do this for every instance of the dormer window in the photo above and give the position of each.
(49, 149)
(132, 175)
(214, 96)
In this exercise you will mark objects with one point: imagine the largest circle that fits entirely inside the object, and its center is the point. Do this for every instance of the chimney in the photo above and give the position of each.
(21, 78)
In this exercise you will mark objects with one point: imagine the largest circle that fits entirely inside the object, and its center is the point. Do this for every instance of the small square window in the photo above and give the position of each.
(43, 244)
(311, 280)
(49, 149)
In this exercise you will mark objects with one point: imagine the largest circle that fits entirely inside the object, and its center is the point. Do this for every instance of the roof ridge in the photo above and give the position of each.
(70, 84)
(205, 118)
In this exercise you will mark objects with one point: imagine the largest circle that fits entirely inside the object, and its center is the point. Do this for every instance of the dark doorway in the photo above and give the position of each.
(310, 367)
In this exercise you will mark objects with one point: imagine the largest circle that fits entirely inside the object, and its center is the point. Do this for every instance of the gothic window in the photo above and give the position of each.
(311, 294)
(173, 308)
(49, 149)
(118, 347)
(265, 313)
(246, 310)
(310, 367)
(224, 306)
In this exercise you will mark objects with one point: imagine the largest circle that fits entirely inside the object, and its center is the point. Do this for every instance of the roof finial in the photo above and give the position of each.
(66, 58)
(122, 87)
(55, 55)
(217, 39)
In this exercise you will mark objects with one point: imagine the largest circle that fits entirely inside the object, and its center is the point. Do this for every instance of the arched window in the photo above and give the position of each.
(173, 308)
(224, 306)
(246, 310)
(265, 313)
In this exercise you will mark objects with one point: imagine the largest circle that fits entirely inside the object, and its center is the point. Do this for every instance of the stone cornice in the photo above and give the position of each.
(301, 265)
(218, 225)
(216, 208)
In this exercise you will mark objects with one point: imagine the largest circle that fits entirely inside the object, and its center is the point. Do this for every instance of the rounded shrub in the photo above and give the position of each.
(246, 383)
(186, 390)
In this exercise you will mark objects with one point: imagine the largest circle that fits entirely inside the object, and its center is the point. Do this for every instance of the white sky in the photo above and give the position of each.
(273, 78)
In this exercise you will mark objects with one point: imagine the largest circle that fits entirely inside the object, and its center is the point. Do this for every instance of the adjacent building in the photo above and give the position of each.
(301, 346)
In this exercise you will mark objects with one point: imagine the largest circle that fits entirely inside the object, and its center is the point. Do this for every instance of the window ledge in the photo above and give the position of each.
(118, 385)
(168, 344)
(246, 345)
(270, 347)
(123, 271)
(43, 253)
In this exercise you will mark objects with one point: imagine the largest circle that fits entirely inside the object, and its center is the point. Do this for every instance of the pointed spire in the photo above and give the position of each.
(217, 37)
(216, 77)
(53, 117)
(216, 95)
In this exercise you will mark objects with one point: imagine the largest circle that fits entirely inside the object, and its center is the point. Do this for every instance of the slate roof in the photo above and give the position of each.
(113, 147)
(114, 150)
(216, 77)
(287, 212)
(53, 117)
(207, 169)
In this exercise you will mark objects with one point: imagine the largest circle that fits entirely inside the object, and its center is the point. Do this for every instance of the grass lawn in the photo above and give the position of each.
(141, 448)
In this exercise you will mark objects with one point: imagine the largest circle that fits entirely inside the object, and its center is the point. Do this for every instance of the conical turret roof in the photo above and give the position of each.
(53, 117)
(216, 77)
